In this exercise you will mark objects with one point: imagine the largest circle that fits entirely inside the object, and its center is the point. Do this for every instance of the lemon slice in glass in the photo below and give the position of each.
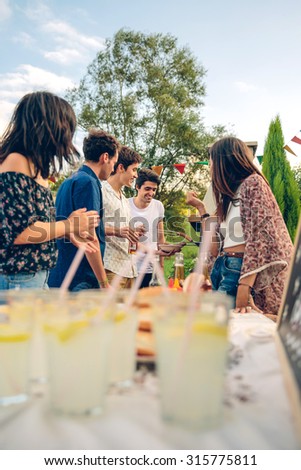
(119, 316)
(210, 328)
(64, 333)
(11, 335)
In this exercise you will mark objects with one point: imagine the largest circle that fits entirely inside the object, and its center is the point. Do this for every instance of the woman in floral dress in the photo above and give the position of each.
(36, 143)
(255, 248)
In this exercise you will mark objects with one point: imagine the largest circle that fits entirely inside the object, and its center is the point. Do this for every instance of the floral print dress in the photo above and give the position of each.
(22, 203)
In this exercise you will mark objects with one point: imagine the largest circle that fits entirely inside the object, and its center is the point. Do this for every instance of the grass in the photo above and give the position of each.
(190, 252)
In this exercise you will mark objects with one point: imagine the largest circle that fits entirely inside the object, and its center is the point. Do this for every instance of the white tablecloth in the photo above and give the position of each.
(258, 413)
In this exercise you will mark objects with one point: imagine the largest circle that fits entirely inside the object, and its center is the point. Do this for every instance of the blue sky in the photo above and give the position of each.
(250, 49)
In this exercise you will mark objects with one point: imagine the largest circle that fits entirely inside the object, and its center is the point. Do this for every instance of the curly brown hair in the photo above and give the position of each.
(146, 174)
(99, 142)
(127, 157)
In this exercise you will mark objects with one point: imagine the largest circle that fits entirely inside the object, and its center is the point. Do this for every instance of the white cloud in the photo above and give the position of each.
(63, 32)
(245, 87)
(23, 38)
(69, 46)
(28, 78)
(73, 47)
(24, 80)
(6, 108)
(38, 11)
(5, 10)
(60, 43)
(64, 56)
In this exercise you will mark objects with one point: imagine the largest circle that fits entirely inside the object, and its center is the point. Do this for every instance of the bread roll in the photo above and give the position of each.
(145, 344)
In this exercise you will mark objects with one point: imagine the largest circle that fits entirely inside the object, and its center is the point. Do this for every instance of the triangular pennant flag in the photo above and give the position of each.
(157, 169)
(180, 167)
(286, 147)
(52, 179)
(296, 139)
(260, 158)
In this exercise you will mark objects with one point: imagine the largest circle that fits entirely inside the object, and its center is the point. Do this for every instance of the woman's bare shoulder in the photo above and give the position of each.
(16, 162)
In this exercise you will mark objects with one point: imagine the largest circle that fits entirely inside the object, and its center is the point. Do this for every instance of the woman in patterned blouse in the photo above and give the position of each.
(36, 143)
(255, 248)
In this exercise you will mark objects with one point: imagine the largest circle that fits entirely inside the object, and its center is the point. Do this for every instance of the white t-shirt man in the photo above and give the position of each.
(150, 218)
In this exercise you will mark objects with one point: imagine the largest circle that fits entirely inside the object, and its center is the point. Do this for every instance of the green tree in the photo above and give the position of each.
(278, 172)
(297, 175)
(148, 92)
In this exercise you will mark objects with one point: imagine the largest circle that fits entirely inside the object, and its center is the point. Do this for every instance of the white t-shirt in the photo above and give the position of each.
(149, 217)
(231, 228)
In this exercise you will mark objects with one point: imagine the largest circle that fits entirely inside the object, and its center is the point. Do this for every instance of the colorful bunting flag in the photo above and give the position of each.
(292, 147)
(260, 158)
(203, 163)
(157, 169)
(286, 147)
(296, 139)
(180, 167)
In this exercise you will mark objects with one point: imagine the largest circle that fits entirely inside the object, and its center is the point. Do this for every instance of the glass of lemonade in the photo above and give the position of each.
(122, 358)
(77, 348)
(122, 349)
(15, 344)
(191, 356)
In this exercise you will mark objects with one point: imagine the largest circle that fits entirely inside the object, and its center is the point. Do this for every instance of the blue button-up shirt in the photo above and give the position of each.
(82, 189)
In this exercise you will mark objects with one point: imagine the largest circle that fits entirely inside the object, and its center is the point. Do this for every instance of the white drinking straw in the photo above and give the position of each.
(200, 265)
(137, 283)
(112, 292)
(195, 291)
(159, 272)
(72, 270)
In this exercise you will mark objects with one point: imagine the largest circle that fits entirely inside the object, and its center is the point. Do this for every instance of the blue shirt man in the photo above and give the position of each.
(83, 189)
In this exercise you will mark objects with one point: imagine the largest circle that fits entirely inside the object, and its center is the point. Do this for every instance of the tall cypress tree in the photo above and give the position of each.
(279, 174)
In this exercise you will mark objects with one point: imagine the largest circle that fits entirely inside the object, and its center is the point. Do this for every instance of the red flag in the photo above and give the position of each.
(180, 167)
(297, 140)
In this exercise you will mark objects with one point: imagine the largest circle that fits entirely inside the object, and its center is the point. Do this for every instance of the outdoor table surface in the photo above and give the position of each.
(258, 412)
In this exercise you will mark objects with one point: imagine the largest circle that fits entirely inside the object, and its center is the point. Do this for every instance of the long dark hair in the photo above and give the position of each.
(41, 128)
(232, 163)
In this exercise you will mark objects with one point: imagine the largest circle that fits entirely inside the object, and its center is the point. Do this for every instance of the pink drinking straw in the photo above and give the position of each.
(72, 270)
(150, 256)
(111, 292)
(200, 265)
(137, 283)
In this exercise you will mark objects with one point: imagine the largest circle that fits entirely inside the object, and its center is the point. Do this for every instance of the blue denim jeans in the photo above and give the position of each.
(85, 285)
(24, 280)
(225, 274)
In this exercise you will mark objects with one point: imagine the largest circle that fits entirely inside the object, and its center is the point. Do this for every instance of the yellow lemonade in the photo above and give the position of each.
(122, 358)
(14, 363)
(77, 350)
(191, 358)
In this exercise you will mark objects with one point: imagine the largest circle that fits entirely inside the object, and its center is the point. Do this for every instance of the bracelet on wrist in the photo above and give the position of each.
(204, 216)
(104, 283)
(245, 284)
